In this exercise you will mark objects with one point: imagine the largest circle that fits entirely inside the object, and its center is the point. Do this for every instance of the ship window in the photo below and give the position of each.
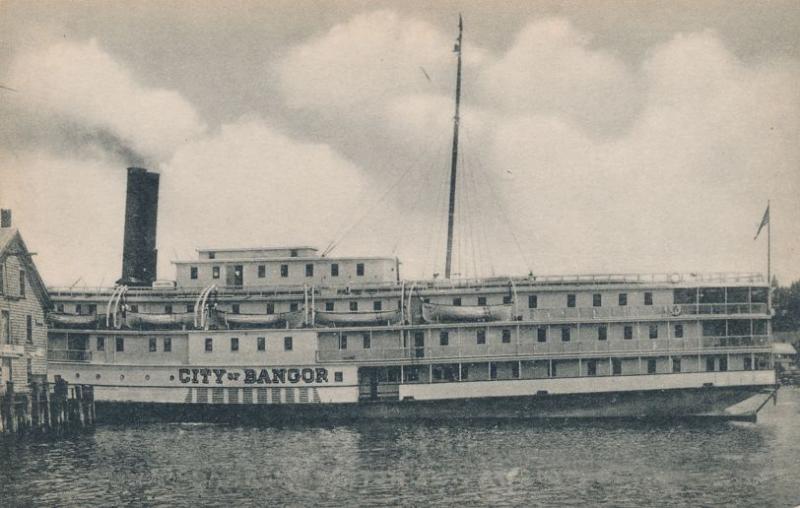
(591, 368)
(293, 307)
(602, 333)
(623, 299)
(120, 344)
(367, 341)
(678, 331)
(723, 363)
(713, 328)
(101, 343)
(59, 307)
(712, 295)
(653, 331)
(648, 298)
(481, 300)
(684, 296)
(293, 253)
(353, 306)
(553, 367)
(541, 334)
(651, 366)
(506, 299)
(444, 338)
(262, 271)
(533, 301)
(335, 270)
(209, 344)
(168, 308)
(235, 308)
(360, 269)
(284, 271)
(215, 272)
(270, 308)
(565, 334)
(212, 255)
(134, 307)
(457, 301)
(309, 270)
(22, 283)
(597, 300)
(261, 343)
(234, 344)
(748, 363)
(167, 344)
(481, 336)
(515, 370)
(570, 300)
(342, 341)
(193, 272)
(710, 364)
(2, 280)
(152, 345)
(676, 365)
(616, 366)
(287, 344)
(506, 336)
(92, 308)
(377, 305)
(29, 328)
(329, 306)
(760, 327)
(338, 377)
(78, 309)
(628, 332)
(758, 295)
(493, 371)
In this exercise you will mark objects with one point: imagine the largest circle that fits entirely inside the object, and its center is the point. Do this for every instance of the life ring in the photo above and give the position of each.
(675, 277)
(675, 310)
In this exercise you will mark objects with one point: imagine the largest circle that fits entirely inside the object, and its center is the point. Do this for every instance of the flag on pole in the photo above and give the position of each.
(764, 222)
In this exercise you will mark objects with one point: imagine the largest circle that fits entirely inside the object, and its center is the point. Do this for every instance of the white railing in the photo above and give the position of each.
(69, 355)
(642, 311)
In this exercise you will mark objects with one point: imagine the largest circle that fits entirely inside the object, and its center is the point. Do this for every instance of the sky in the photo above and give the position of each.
(596, 137)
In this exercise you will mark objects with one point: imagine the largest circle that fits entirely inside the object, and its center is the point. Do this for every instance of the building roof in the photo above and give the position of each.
(9, 238)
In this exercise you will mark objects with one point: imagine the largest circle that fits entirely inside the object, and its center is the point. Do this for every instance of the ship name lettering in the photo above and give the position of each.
(253, 376)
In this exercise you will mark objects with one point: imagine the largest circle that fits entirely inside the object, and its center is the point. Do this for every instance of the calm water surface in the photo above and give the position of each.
(612, 464)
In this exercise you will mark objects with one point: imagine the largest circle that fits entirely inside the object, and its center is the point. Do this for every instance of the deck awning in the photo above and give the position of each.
(783, 348)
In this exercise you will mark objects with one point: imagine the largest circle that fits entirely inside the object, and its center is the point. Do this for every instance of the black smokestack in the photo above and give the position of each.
(139, 253)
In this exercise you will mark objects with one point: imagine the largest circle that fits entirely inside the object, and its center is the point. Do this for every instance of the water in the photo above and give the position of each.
(612, 464)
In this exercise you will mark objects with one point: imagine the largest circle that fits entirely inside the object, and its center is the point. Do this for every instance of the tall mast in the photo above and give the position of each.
(454, 162)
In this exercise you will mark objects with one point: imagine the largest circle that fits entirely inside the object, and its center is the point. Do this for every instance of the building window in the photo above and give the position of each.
(506, 336)
(533, 301)
(235, 308)
(616, 366)
(342, 341)
(309, 270)
(723, 363)
(338, 377)
(353, 306)
(628, 332)
(623, 299)
(541, 334)
(22, 283)
(481, 300)
(602, 333)
(284, 271)
(651, 366)
(565, 334)
(152, 345)
(676, 365)
(287, 344)
(234, 344)
(293, 253)
(120, 344)
(209, 344)
(262, 271)
(444, 338)
(270, 308)
(678, 331)
(653, 331)
(167, 344)
(193, 272)
(710, 364)
(570, 300)
(261, 343)
(377, 305)
(101, 343)
(29, 329)
(597, 300)
(367, 341)
(648, 298)
(481, 336)
(360, 269)
(215, 272)
(457, 301)
(168, 308)
(335, 270)
(591, 368)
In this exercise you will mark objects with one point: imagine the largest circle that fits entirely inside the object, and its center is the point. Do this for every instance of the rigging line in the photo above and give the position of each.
(481, 226)
(441, 204)
(470, 198)
(420, 196)
(506, 218)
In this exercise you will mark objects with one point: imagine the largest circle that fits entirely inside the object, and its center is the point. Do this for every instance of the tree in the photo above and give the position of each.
(786, 302)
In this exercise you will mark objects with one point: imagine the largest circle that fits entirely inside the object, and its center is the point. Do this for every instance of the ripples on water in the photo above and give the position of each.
(614, 464)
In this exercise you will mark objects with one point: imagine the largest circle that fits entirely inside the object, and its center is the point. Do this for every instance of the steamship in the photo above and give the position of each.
(288, 333)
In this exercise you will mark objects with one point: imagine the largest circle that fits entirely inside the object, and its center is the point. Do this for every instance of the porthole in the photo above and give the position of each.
(171, 377)
(147, 377)
(121, 377)
(97, 376)
(77, 375)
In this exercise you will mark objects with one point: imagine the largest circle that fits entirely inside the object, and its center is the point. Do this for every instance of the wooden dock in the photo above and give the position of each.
(46, 407)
